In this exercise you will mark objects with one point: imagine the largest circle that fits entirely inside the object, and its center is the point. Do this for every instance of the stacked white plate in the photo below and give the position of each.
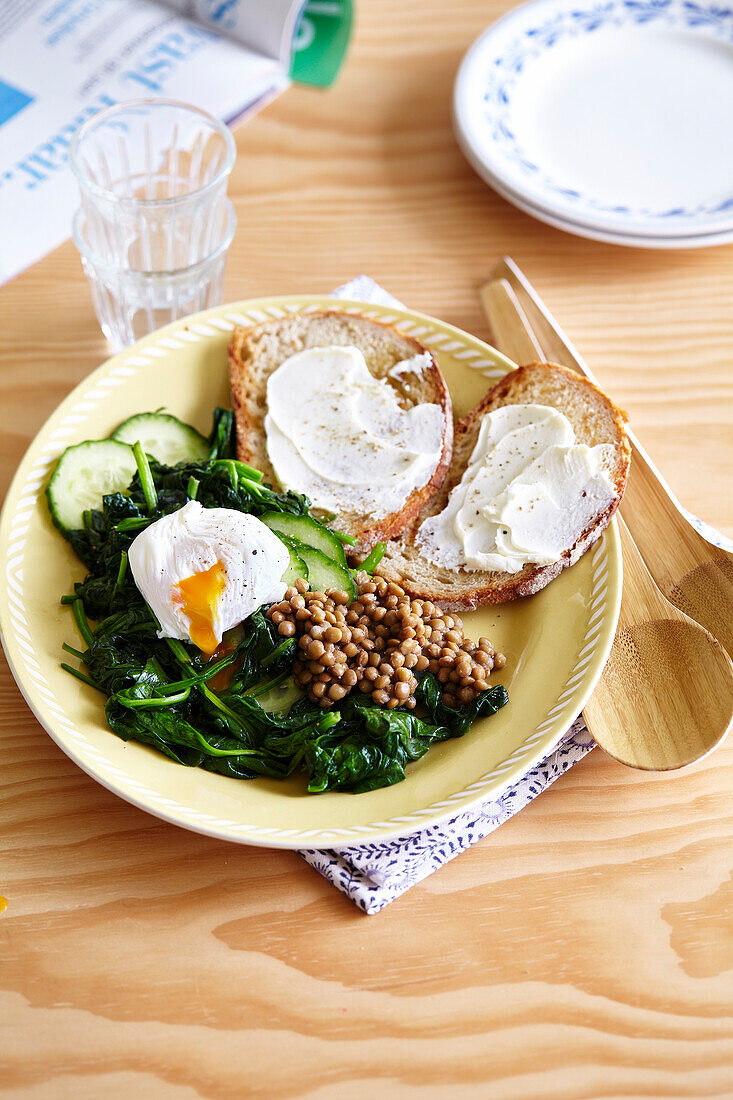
(611, 120)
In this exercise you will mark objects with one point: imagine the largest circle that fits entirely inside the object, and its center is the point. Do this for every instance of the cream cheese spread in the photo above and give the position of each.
(338, 434)
(414, 365)
(527, 494)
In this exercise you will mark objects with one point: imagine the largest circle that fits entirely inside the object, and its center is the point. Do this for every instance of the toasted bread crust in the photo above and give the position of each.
(249, 349)
(543, 383)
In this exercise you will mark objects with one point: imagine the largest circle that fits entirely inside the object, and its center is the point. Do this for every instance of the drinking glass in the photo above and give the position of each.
(131, 302)
(154, 223)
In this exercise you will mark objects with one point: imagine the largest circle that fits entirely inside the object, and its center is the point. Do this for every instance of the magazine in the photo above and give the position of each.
(63, 60)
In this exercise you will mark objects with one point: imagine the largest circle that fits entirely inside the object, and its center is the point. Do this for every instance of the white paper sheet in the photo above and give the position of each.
(62, 60)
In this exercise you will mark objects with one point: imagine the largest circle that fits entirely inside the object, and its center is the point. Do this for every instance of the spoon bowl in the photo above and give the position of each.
(705, 593)
(659, 704)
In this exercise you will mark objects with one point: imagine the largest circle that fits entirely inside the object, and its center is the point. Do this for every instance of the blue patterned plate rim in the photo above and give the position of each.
(500, 57)
(596, 233)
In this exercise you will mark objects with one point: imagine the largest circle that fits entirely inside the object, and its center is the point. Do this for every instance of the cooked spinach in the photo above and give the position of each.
(159, 690)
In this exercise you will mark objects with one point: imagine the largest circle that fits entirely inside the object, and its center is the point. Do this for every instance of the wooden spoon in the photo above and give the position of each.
(694, 574)
(665, 697)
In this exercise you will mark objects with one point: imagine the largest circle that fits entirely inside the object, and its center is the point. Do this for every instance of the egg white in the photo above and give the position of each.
(191, 541)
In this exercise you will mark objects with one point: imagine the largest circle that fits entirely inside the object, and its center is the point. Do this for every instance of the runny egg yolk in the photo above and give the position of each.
(199, 596)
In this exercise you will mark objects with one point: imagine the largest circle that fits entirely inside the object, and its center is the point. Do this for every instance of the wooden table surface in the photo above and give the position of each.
(585, 949)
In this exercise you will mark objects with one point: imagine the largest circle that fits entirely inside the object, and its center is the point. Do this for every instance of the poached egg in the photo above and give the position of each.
(204, 570)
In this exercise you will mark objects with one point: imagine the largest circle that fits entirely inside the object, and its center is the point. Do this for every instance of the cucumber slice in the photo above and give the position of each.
(165, 438)
(297, 569)
(308, 531)
(279, 699)
(83, 475)
(325, 573)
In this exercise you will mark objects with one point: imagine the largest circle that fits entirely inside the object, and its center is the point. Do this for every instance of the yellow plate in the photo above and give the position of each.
(556, 643)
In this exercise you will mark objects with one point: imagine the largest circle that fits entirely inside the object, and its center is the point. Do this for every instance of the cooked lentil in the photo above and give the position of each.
(378, 643)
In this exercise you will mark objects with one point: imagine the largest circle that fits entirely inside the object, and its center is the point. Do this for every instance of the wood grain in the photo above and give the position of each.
(584, 950)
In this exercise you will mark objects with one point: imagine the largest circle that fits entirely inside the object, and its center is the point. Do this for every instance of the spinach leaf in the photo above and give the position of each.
(458, 719)
(129, 727)
(380, 743)
(351, 765)
(222, 438)
(117, 661)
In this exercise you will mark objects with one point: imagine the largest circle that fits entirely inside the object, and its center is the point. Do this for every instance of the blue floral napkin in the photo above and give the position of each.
(373, 875)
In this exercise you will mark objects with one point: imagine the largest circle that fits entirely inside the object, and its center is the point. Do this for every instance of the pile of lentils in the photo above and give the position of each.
(378, 643)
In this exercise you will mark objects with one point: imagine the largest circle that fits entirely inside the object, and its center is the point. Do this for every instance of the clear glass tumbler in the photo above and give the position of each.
(130, 302)
(155, 223)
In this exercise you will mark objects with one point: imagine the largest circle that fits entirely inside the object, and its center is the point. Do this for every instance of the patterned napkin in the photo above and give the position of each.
(373, 875)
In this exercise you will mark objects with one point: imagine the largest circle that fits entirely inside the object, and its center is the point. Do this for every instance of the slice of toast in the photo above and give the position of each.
(254, 353)
(594, 418)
